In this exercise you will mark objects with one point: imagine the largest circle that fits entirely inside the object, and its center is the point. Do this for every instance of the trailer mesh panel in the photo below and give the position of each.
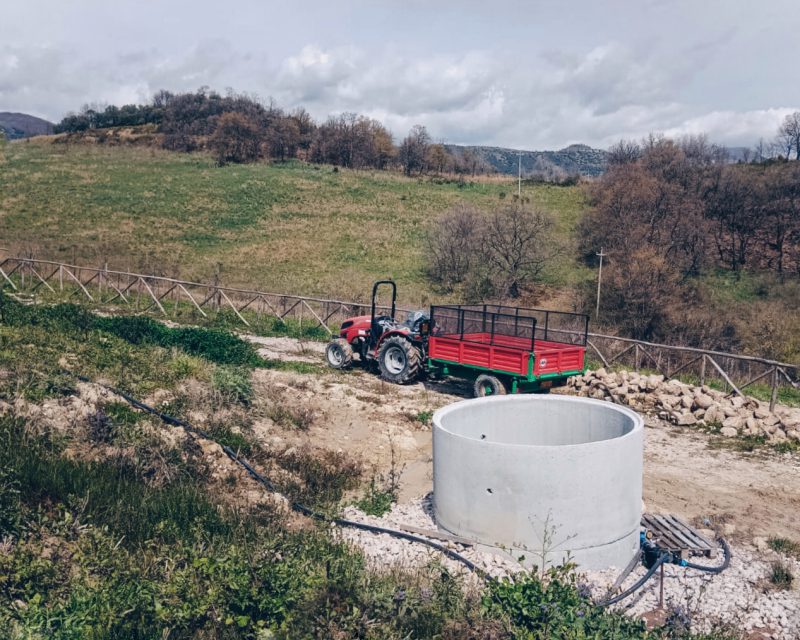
(472, 324)
(553, 326)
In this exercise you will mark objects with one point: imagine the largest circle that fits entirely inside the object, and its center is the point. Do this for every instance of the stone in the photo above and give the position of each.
(687, 402)
(793, 435)
(654, 381)
(791, 424)
(601, 373)
(778, 436)
(729, 411)
(760, 543)
(686, 419)
(737, 402)
(666, 401)
(771, 419)
(703, 401)
(713, 414)
(761, 413)
(732, 422)
(752, 425)
(729, 432)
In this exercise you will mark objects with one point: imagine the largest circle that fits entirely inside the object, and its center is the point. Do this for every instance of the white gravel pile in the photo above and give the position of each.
(741, 595)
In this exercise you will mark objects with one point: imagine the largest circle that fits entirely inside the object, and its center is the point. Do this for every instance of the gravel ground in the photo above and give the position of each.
(741, 595)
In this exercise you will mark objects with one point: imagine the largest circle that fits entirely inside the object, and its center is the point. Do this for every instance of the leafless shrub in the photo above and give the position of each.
(489, 255)
(454, 245)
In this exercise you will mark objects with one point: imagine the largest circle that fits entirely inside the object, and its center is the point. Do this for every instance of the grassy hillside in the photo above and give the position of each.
(292, 227)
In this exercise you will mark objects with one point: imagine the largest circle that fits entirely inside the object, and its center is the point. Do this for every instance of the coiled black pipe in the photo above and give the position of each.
(726, 561)
(296, 506)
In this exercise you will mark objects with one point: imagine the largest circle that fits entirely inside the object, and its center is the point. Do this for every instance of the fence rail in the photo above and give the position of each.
(148, 292)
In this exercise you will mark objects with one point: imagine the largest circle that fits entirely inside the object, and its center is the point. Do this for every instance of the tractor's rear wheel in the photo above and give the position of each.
(399, 360)
(486, 385)
(339, 354)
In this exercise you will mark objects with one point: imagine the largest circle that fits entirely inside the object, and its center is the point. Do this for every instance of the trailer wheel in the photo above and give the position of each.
(399, 360)
(486, 385)
(339, 354)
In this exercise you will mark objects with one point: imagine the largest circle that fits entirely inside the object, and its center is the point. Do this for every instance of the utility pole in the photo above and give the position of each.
(519, 176)
(600, 255)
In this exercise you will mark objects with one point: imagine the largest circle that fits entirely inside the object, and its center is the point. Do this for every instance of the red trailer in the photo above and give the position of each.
(512, 349)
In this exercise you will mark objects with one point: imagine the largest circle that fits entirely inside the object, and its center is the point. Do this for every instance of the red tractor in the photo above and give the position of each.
(398, 348)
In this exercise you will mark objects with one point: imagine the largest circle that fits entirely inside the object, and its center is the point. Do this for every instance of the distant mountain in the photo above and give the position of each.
(21, 125)
(576, 159)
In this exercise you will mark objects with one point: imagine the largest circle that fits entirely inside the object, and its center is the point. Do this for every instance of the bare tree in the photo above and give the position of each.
(624, 152)
(454, 245)
(519, 243)
(236, 139)
(640, 290)
(437, 158)
(283, 138)
(789, 134)
(414, 150)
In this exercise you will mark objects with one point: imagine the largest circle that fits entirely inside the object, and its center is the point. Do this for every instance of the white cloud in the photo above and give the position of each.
(596, 95)
(737, 128)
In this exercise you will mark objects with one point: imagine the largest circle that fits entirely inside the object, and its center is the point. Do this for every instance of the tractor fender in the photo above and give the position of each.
(394, 332)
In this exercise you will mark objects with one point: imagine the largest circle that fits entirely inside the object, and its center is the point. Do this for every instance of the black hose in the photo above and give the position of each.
(726, 561)
(296, 506)
(638, 584)
(667, 557)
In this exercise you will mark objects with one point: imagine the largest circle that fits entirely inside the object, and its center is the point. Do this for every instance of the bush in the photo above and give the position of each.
(9, 503)
(552, 606)
(236, 138)
(499, 254)
(233, 385)
(780, 575)
(216, 345)
(324, 475)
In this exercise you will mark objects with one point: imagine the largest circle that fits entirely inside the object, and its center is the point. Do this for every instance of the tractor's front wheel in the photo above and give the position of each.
(339, 354)
(488, 386)
(399, 360)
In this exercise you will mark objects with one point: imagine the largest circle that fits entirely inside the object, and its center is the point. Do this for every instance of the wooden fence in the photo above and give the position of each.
(165, 295)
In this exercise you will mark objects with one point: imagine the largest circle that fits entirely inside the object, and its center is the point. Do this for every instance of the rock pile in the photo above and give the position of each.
(687, 405)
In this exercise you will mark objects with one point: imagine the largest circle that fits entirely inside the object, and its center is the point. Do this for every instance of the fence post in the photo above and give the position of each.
(636, 357)
(774, 396)
(61, 277)
(703, 370)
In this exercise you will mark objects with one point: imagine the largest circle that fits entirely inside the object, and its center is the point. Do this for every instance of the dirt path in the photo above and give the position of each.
(756, 494)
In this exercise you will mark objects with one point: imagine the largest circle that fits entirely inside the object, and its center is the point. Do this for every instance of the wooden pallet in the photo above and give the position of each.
(673, 534)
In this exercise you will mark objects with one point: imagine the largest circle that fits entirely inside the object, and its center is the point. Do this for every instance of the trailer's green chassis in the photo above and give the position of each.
(513, 382)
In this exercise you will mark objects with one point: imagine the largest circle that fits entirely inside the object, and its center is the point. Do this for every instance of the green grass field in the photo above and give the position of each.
(282, 227)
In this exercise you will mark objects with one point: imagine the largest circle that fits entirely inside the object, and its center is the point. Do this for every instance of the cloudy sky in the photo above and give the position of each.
(536, 74)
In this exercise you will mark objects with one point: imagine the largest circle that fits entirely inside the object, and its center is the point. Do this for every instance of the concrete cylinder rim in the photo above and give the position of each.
(636, 419)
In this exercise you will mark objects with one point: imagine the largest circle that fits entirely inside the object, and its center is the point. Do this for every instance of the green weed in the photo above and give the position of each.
(780, 575)
(785, 546)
